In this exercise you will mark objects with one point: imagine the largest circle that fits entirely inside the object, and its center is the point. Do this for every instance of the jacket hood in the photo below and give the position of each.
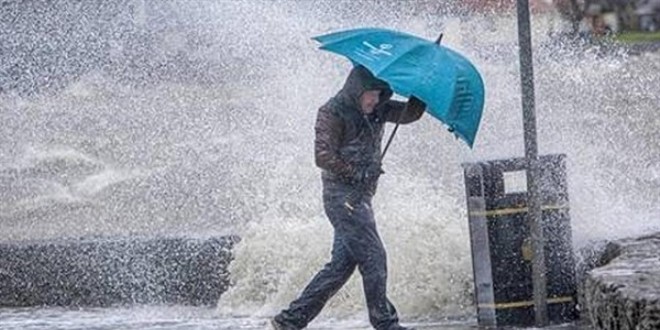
(359, 81)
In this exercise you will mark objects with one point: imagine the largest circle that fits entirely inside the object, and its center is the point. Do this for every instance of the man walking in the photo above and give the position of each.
(349, 132)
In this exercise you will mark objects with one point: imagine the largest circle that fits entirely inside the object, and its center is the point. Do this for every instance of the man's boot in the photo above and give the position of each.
(279, 326)
(399, 327)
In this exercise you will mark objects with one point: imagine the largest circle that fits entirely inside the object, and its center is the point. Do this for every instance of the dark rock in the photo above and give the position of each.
(593, 255)
(624, 291)
(103, 272)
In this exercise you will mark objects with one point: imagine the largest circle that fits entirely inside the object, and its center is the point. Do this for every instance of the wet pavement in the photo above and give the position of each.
(184, 318)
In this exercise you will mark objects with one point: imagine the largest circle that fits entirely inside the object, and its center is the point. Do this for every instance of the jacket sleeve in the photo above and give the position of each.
(329, 130)
(410, 111)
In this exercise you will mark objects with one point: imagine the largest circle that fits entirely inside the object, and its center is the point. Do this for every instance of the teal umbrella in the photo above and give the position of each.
(446, 81)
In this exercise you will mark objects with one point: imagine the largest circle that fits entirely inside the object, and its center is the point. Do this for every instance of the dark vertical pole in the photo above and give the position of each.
(531, 154)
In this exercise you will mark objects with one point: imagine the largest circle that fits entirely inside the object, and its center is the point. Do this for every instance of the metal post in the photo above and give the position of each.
(531, 155)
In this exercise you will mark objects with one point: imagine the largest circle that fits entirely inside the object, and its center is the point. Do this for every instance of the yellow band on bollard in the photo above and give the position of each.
(518, 304)
(509, 211)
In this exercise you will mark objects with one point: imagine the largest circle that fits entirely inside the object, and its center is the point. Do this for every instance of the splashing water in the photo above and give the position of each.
(208, 129)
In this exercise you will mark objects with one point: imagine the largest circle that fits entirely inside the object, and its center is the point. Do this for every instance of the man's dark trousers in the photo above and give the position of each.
(356, 244)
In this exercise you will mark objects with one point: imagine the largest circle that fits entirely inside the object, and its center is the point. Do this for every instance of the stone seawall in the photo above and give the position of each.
(623, 291)
(114, 271)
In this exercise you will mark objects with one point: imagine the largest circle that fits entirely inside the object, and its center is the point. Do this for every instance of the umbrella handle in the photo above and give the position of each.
(437, 41)
(389, 141)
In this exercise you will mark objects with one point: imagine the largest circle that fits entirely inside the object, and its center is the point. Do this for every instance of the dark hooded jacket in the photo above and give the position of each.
(347, 140)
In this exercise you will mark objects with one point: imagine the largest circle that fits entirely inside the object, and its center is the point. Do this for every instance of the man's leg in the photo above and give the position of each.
(368, 250)
(323, 286)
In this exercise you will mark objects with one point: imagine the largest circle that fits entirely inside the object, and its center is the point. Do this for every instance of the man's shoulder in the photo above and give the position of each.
(331, 108)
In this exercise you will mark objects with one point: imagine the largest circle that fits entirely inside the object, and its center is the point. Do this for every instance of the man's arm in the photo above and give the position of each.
(412, 110)
(329, 129)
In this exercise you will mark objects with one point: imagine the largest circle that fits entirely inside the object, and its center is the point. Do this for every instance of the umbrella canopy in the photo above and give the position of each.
(446, 81)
